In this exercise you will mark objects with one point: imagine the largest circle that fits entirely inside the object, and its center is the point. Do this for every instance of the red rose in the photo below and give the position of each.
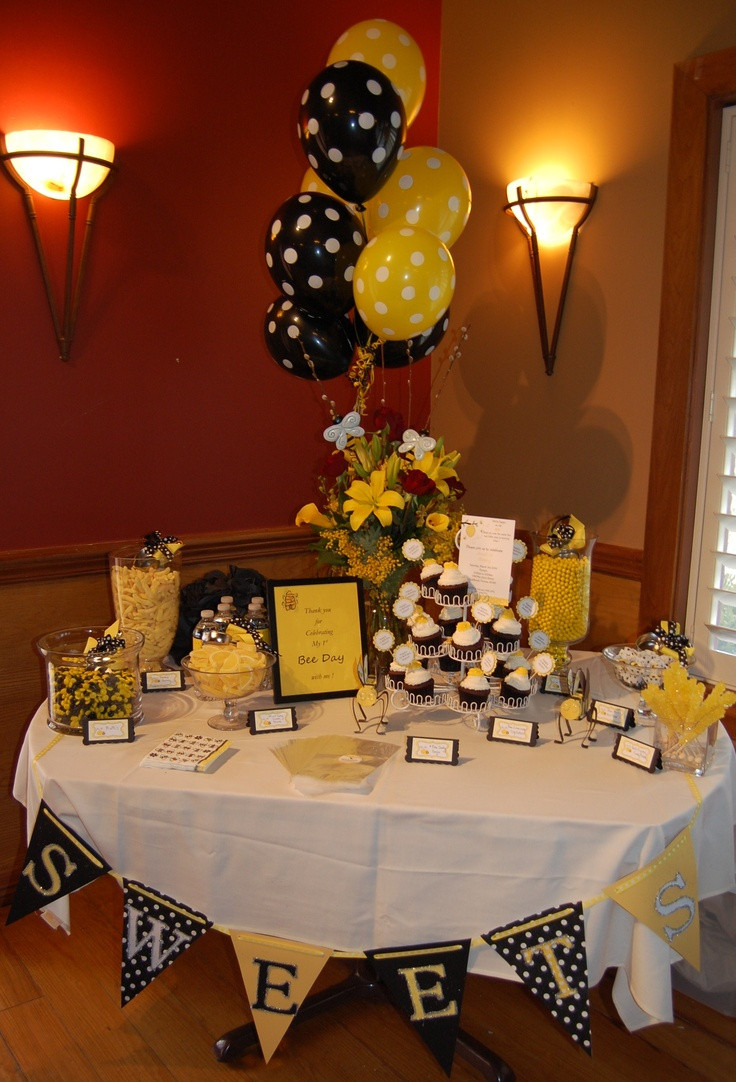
(335, 464)
(456, 487)
(385, 416)
(417, 483)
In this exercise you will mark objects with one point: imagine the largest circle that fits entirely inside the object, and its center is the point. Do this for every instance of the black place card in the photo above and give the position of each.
(272, 721)
(430, 749)
(163, 680)
(637, 753)
(605, 713)
(556, 683)
(513, 731)
(108, 731)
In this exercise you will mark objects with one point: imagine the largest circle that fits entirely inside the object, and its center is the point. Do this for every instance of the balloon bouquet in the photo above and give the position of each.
(361, 254)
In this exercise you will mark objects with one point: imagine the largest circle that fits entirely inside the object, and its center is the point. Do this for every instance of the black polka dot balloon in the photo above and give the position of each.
(401, 354)
(352, 125)
(305, 344)
(312, 245)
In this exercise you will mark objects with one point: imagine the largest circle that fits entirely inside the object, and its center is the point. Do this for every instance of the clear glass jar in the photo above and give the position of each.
(692, 757)
(145, 596)
(97, 685)
(561, 587)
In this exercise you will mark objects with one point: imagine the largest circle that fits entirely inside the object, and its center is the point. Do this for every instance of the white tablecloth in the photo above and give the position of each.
(433, 852)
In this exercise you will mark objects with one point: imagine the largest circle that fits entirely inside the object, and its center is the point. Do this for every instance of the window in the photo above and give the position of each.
(711, 611)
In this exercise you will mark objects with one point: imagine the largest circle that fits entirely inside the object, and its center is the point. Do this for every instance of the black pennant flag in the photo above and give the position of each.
(547, 950)
(427, 983)
(57, 863)
(156, 930)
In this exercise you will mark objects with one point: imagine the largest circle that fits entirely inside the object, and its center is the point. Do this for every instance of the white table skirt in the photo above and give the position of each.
(433, 852)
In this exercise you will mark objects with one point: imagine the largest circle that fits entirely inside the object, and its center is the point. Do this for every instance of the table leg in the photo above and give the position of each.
(361, 982)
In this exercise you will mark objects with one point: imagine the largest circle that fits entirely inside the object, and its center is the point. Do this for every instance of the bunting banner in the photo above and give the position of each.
(664, 896)
(426, 983)
(278, 975)
(57, 862)
(547, 950)
(156, 930)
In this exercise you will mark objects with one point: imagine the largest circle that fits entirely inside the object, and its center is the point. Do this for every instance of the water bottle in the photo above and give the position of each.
(223, 617)
(257, 618)
(227, 599)
(205, 628)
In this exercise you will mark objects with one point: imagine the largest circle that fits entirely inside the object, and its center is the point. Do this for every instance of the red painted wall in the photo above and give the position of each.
(171, 413)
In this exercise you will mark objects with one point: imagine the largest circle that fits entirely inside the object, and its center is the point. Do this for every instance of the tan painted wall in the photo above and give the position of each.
(585, 86)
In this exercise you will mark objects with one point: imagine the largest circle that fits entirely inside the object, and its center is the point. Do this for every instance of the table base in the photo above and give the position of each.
(362, 983)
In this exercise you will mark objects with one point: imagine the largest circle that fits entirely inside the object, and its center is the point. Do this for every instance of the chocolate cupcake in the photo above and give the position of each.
(474, 689)
(516, 688)
(452, 585)
(426, 633)
(467, 642)
(505, 633)
(449, 618)
(420, 685)
(428, 576)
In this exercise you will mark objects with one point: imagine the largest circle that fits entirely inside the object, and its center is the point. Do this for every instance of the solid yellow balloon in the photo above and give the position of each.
(427, 188)
(387, 47)
(403, 283)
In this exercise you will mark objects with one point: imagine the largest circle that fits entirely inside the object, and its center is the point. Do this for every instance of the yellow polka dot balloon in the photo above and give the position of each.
(427, 188)
(385, 46)
(403, 283)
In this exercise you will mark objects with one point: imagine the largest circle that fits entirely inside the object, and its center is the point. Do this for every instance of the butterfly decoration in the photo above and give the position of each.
(418, 442)
(343, 428)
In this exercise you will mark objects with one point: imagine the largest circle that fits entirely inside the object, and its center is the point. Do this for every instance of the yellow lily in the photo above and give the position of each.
(366, 499)
(437, 470)
(438, 522)
(310, 515)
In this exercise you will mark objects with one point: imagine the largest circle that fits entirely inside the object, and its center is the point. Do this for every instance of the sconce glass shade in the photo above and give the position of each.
(49, 161)
(552, 208)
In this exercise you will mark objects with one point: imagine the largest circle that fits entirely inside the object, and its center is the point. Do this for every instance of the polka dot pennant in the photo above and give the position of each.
(547, 951)
(427, 188)
(312, 245)
(388, 47)
(351, 126)
(156, 930)
(404, 282)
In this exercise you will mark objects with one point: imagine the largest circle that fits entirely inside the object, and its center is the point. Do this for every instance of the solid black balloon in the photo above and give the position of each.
(352, 125)
(312, 245)
(292, 335)
(401, 354)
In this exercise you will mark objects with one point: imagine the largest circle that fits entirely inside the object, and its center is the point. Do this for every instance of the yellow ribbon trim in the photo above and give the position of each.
(40, 755)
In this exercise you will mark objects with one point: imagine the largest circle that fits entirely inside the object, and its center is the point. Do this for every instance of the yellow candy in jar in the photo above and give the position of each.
(561, 586)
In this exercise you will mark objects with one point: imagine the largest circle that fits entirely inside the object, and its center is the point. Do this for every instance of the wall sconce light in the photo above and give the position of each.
(61, 165)
(549, 213)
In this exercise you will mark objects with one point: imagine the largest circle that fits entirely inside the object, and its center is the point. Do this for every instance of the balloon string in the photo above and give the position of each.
(325, 398)
(455, 355)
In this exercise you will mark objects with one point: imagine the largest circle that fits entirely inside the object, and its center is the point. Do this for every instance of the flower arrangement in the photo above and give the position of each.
(389, 499)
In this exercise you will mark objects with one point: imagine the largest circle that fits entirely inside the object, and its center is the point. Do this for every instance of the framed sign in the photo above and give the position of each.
(318, 628)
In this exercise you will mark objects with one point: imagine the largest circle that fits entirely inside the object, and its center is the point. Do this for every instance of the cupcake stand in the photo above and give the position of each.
(445, 690)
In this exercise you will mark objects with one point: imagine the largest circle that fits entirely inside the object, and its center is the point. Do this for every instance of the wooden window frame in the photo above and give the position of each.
(702, 88)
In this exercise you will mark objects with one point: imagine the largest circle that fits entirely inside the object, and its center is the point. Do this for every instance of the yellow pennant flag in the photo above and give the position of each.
(278, 975)
(664, 896)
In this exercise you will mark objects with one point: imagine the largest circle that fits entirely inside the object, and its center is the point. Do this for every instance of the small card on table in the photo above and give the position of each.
(271, 721)
(513, 731)
(637, 753)
(108, 731)
(429, 749)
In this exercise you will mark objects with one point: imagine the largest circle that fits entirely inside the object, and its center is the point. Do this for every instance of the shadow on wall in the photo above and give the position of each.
(538, 447)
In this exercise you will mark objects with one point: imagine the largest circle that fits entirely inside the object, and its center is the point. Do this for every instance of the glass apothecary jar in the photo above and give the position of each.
(560, 585)
(91, 684)
(145, 594)
(692, 757)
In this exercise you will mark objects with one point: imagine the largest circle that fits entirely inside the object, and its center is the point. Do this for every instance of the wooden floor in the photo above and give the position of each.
(60, 1019)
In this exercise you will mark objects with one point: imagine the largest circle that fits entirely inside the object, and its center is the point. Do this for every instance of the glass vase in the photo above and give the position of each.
(692, 757)
(145, 596)
(560, 585)
(379, 616)
(92, 686)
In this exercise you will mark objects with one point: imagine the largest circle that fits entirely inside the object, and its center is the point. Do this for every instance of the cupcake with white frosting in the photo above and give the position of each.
(425, 632)
(420, 685)
(448, 619)
(516, 688)
(428, 576)
(505, 633)
(467, 642)
(452, 585)
(474, 689)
